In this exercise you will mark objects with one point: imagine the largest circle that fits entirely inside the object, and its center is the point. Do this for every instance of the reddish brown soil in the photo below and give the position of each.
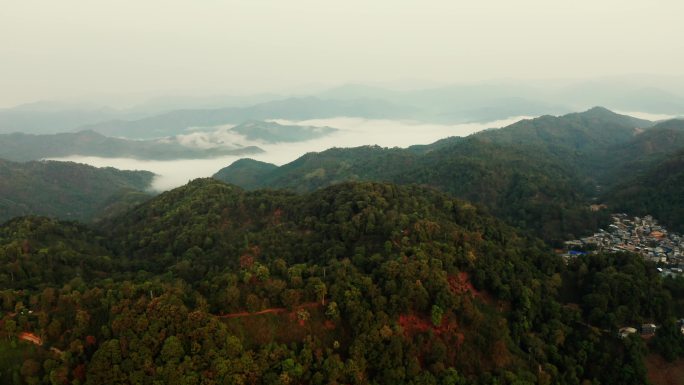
(460, 284)
(30, 337)
(661, 372)
(413, 324)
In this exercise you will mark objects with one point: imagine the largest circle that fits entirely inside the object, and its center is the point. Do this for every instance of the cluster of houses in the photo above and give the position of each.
(646, 330)
(641, 235)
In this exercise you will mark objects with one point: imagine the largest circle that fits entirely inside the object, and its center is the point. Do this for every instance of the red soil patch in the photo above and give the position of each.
(30, 337)
(448, 332)
(277, 215)
(661, 372)
(413, 324)
(90, 340)
(460, 284)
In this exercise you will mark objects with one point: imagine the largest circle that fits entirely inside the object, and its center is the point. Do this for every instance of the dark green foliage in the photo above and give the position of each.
(669, 340)
(617, 290)
(245, 172)
(522, 185)
(644, 151)
(38, 252)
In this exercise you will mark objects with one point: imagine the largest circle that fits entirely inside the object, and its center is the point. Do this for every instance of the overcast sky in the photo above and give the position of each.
(52, 50)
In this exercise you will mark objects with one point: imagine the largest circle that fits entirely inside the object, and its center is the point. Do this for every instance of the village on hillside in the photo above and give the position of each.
(641, 235)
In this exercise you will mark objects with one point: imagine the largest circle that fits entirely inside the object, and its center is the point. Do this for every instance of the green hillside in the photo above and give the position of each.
(644, 151)
(246, 172)
(68, 190)
(580, 131)
(658, 191)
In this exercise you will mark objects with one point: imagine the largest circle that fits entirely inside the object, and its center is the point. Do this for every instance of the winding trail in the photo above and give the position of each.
(273, 310)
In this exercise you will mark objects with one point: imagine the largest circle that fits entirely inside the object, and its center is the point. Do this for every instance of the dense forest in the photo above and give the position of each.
(360, 282)
(69, 190)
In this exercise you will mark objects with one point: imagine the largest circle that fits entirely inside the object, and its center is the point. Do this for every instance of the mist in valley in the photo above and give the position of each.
(351, 132)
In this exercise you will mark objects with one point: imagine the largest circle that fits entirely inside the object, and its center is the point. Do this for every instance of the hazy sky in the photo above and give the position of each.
(76, 48)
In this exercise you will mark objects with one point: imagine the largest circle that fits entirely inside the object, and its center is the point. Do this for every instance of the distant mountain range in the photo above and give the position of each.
(196, 145)
(177, 122)
(46, 118)
(448, 104)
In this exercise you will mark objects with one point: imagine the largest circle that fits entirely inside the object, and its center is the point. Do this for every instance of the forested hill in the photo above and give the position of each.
(354, 283)
(657, 191)
(68, 190)
(597, 128)
(644, 151)
(246, 172)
